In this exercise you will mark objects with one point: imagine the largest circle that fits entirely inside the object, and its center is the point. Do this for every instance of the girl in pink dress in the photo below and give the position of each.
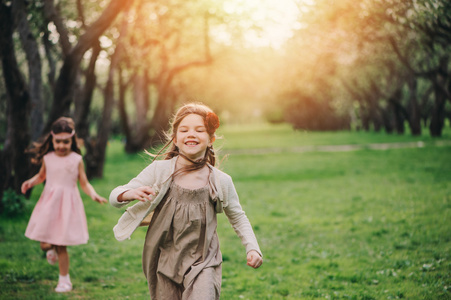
(58, 219)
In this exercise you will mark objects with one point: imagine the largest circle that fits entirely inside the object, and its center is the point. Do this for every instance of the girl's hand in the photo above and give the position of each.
(99, 199)
(143, 194)
(25, 186)
(254, 259)
(35, 180)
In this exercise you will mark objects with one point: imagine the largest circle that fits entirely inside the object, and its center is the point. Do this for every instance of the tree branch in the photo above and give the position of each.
(66, 80)
(52, 14)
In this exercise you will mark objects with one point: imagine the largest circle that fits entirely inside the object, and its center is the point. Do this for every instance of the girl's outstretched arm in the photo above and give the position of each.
(144, 193)
(86, 186)
(35, 180)
(240, 223)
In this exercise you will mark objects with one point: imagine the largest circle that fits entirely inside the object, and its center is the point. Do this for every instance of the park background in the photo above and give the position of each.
(335, 123)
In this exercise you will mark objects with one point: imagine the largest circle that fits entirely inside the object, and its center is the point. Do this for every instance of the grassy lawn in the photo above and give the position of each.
(366, 224)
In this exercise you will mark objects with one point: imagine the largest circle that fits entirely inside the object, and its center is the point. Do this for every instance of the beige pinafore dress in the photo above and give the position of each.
(181, 256)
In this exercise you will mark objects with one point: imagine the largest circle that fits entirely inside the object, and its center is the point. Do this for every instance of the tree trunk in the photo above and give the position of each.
(375, 115)
(64, 89)
(125, 125)
(160, 121)
(398, 120)
(414, 109)
(48, 47)
(96, 146)
(364, 117)
(438, 109)
(84, 104)
(138, 140)
(95, 156)
(399, 114)
(30, 47)
(373, 105)
(53, 14)
(387, 118)
(14, 159)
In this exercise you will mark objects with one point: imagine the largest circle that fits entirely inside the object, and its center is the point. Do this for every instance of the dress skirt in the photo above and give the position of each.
(181, 256)
(59, 216)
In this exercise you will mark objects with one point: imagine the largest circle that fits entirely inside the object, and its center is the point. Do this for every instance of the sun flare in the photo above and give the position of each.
(268, 23)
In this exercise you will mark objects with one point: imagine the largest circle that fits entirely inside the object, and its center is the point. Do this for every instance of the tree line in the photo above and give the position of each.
(121, 67)
(83, 59)
(373, 64)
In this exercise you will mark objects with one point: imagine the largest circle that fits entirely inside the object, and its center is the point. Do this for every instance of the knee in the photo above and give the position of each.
(46, 246)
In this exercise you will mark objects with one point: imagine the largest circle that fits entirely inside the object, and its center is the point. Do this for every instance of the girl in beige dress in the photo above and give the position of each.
(182, 195)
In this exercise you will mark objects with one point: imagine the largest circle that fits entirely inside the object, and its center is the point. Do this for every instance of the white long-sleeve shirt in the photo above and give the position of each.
(158, 176)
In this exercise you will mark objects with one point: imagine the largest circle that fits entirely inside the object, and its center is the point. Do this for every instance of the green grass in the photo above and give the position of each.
(365, 224)
(282, 137)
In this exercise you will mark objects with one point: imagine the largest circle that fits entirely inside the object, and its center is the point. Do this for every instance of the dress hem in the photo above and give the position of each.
(58, 243)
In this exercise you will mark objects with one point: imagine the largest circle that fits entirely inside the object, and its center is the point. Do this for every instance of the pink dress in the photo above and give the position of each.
(59, 216)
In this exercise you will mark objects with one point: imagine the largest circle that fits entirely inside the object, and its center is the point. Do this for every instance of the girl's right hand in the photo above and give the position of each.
(25, 186)
(254, 259)
(143, 194)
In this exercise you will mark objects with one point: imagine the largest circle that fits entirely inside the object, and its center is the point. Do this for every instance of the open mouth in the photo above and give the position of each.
(191, 143)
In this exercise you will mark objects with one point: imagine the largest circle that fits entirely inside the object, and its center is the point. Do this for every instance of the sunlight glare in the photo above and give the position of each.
(276, 18)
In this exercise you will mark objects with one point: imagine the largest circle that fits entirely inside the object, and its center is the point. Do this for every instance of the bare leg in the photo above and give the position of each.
(46, 246)
(63, 259)
(64, 284)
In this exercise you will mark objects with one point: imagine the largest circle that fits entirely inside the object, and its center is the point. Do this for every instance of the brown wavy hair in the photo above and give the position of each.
(61, 125)
(210, 156)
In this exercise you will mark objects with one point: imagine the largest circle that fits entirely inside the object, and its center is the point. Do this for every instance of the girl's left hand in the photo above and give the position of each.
(254, 259)
(99, 199)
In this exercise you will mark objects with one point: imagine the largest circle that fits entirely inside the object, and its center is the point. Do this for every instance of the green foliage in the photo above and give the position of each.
(310, 114)
(12, 204)
(367, 224)
(274, 116)
(369, 55)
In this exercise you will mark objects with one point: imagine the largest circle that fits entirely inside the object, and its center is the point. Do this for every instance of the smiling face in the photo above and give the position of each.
(62, 144)
(192, 138)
